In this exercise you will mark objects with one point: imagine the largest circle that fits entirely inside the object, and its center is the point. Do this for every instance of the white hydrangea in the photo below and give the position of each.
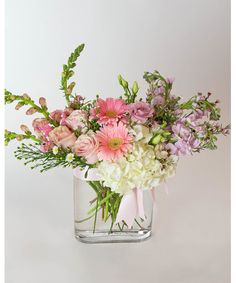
(140, 169)
(141, 132)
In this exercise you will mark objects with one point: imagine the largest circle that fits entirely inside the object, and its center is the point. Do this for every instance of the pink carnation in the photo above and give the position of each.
(109, 111)
(114, 142)
(140, 111)
(62, 136)
(87, 147)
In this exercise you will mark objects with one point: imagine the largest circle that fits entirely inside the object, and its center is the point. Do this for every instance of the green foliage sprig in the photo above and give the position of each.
(208, 141)
(9, 136)
(46, 160)
(129, 94)
(68, 72)
(203, 104)
(155, 79)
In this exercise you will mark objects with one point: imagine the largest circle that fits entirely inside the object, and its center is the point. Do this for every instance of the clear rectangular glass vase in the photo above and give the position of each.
(91, 227)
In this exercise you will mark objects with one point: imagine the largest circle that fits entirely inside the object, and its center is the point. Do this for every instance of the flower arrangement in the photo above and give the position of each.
(131, 144)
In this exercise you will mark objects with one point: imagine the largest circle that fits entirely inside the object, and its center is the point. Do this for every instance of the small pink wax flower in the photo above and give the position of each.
(41, 126)
(62, 136)
(77, 120)
(140, 111)
(114, 141)
(87, 146)
(109, 111)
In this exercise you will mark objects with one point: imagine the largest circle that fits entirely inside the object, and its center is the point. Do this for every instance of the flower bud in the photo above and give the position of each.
(31, 111)
(19, 137)
(42, 102)
(19, 105)
(25, 96)
(135, 87)
(122, 82)
(155, 139)
(79, 98)
(25, 129)
(70, 87)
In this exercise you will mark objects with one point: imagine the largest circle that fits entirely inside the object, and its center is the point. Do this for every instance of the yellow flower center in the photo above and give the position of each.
(111, 114)
(115, 143)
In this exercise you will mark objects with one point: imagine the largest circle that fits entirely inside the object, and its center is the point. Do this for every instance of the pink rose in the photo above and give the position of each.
(140, 111)
(42, 127)
(87, 146)
(77, 120)
(62, 136)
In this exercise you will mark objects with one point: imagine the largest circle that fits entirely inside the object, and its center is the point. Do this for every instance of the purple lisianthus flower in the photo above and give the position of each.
(140, 111)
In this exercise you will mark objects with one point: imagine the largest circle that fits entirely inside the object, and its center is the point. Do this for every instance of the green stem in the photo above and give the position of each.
(106, 208)
(138, 224)
(101, 202)
(119, 227)
(95, 218)
(85, 219)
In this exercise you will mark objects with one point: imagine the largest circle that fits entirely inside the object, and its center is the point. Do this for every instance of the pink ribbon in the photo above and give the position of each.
(131, 206)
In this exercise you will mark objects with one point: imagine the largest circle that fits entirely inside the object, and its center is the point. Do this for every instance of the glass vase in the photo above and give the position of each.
(97, 226)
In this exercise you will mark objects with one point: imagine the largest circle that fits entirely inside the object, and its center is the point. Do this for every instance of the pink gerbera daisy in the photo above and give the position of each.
(109, 111)
(114, 142)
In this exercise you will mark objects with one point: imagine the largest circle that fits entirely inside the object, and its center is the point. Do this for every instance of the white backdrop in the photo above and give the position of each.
(187, 39)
